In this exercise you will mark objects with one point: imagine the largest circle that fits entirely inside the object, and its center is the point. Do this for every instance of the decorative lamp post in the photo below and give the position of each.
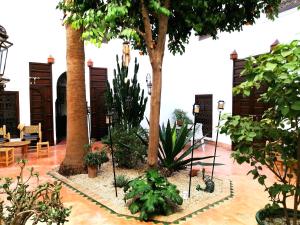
(126, 53)
(149, 83)
(221, 104)
(196, 111)
(4, 45)
(109, 121)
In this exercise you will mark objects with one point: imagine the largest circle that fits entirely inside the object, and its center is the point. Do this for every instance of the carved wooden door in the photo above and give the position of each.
(41, 103)
(98, 78)
(9, 112)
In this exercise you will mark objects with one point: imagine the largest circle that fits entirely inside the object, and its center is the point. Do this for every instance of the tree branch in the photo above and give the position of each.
(162, 30)
(148, 31)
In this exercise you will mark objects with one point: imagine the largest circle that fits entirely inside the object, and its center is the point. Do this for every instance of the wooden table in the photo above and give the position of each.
(17, 144)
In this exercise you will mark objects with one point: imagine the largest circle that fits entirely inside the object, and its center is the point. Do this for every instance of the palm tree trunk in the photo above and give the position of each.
(77, 134)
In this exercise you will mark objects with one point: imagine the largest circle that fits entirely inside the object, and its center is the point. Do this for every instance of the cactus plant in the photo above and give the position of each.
(126, 98)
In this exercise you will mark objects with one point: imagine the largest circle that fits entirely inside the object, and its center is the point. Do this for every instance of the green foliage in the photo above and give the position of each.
(24, 201)
(121, 181)
(95, 158)
(129, 152)
(152, 195)
(277, 134)
(126, 97)
(179, 114)
(173, 152)
(111, 19)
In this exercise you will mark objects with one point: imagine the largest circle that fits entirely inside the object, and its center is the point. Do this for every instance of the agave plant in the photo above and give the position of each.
(172, 152)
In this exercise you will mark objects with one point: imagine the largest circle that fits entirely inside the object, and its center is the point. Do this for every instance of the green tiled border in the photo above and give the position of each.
(177, 221)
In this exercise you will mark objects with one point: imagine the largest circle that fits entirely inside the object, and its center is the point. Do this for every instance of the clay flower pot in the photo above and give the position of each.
(194, 172)
(92, 171)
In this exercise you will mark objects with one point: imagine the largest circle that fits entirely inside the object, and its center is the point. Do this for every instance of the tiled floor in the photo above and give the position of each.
(248, 198)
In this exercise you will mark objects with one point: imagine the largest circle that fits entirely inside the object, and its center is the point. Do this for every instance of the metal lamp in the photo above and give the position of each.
(4, 45)
(109, 121)
(149, 83)
(221, 104)
(196, 111)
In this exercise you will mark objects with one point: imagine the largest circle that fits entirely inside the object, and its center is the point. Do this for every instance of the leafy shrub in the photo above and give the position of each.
(40, 204)
(152, 194)
(121, 181)
(129, 150)
(95, 158)
(277, 134)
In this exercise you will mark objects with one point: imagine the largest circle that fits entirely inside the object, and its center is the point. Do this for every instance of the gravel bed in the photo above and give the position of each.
(103, 190)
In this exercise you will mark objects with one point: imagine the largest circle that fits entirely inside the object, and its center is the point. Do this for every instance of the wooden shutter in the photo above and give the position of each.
(205, 116)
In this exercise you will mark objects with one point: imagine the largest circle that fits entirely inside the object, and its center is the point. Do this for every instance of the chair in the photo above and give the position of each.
(31, 132)
(4, 136)
(198, 136)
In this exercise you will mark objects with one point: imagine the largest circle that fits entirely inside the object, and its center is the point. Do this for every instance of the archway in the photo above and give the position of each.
(61, 108)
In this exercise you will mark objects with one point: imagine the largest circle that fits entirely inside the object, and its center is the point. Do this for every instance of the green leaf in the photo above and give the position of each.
(270, 66)
(134, 207)
(296, 106)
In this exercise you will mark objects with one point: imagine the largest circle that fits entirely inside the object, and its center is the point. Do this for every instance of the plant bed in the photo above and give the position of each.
(264, 217)
(101, 189)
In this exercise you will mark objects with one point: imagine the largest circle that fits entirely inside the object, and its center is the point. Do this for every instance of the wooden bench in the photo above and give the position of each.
(7, 156)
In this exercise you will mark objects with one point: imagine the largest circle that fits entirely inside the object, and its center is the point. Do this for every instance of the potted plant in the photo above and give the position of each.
(93, 160)
(181, 117)
(276, 136)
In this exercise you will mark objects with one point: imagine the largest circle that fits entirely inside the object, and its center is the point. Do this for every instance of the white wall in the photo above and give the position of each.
(34, 27)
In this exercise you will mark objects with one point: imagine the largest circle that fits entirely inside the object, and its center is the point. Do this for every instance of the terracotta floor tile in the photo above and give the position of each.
(248, 198)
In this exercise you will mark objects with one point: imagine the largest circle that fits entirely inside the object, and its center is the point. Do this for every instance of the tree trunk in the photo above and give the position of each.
(77, 134)
(154, 115)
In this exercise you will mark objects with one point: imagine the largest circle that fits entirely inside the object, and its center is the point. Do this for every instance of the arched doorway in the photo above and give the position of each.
(61, 108)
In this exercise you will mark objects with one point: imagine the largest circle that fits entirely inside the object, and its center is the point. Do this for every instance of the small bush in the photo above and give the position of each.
(152, 195)
(41, 203)
(95, 158)
(129, 151)
(121, 181)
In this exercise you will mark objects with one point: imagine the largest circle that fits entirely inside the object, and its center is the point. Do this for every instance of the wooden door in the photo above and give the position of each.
(98, 78)
(245, 106)
(9, 112)
(41, 103)
(205, 115)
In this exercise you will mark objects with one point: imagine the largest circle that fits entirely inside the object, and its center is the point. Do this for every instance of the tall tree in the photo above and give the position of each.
(146, 23)
(77, 134)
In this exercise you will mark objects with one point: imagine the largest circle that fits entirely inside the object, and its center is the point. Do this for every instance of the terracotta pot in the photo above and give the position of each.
(92, 171)
(194, 172)
(262, 214)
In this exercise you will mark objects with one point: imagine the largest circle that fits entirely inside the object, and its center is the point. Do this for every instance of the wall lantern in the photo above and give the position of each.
(149, 83)
(126, 53)
(221, 104)
(4, 45)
